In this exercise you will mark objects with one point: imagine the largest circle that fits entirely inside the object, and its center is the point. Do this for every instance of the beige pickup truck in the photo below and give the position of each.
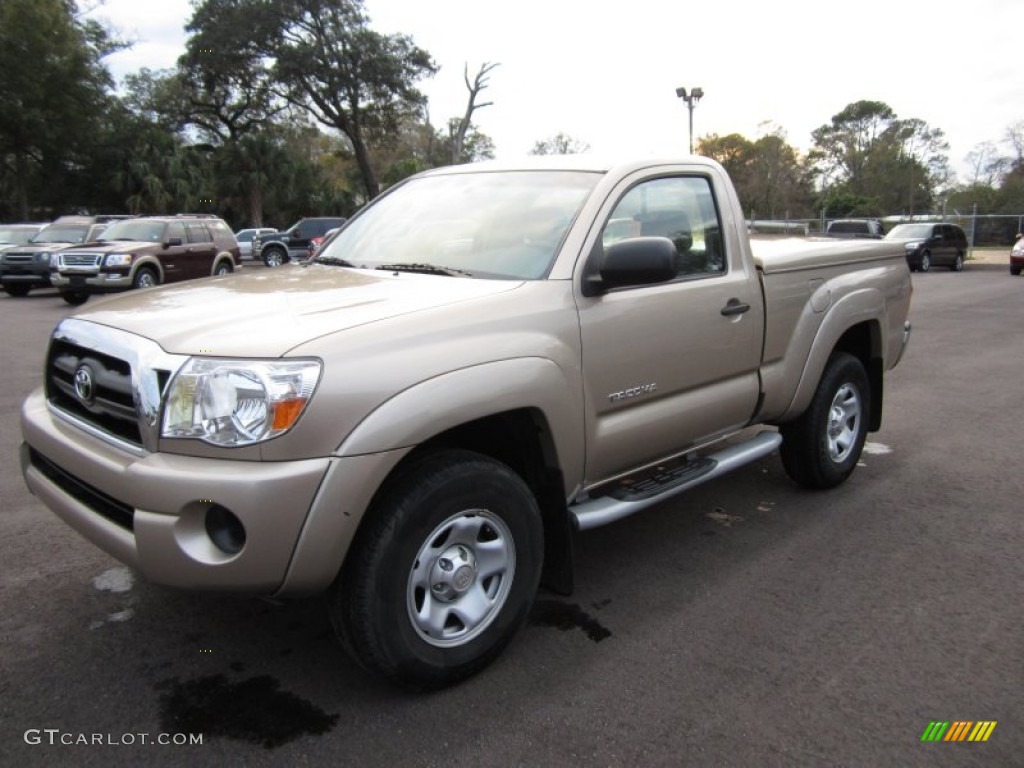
(484, 361)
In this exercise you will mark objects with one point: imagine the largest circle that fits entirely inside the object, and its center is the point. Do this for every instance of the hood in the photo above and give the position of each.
(113, 246)
(265, 313)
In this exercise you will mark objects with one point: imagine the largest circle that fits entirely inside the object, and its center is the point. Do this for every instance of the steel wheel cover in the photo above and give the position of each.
(461, 578)
(844, 422)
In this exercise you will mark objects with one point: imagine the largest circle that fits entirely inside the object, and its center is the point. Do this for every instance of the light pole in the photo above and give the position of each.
(691, 100)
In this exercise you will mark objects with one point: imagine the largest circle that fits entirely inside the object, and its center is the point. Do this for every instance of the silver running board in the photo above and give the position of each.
(606, 509)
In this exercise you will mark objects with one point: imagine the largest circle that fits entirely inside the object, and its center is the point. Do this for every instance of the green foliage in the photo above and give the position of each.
(559, 144)
(346, 75)
(53, 88)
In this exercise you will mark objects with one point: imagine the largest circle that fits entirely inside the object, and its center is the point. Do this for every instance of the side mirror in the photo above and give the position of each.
(172, 241)
(295, 234)
(636, 261)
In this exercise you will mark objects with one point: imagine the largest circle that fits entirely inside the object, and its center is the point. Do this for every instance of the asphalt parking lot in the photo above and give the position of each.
(749, 623)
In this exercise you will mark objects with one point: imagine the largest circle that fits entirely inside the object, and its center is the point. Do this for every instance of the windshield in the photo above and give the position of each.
(495, 225)
(908, 231)
(16, 234)
(135, 230)
(61, 234)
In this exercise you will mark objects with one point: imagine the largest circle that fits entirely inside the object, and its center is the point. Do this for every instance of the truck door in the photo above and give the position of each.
(671, 366)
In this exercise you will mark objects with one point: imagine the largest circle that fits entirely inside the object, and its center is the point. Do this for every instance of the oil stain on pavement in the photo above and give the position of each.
(566, 616)
(252, 710)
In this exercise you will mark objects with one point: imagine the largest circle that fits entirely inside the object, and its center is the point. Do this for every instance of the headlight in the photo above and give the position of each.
(45, 256)
(238, 402)
(118, 259)
(911, 246)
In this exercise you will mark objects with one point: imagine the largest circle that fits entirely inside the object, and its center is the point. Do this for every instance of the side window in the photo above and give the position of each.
(176, 229)
(197, 233)
(680, 208)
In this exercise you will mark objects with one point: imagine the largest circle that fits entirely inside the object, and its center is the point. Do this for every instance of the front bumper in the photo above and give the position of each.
(24, 274)
(103, 282)
(150, 510)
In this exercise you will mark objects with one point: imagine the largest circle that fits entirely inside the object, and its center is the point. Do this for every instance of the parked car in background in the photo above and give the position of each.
(1017, 256)
(145, 252)
(929, 245)
(855, 228)
(281, 247)
(316, 242)
(27, 266)
(245, 238)
(17, 234)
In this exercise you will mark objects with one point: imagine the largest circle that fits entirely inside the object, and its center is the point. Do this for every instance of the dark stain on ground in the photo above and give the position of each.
(252, 710)
(566, 616)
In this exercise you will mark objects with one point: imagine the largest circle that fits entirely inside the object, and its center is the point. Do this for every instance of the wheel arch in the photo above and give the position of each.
(148, 262)
(855, 325)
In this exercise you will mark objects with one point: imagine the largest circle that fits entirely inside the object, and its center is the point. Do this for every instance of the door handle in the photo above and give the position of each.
(735, 307)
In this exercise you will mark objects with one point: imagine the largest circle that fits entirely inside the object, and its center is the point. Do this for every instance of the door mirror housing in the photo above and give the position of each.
(632, 262)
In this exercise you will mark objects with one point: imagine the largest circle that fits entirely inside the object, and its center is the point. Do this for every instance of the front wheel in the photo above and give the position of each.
(144, 278)
(1014, 269)
(17, 289)
(926, 262)
(443, 573)
(75, 298)
(822, 447)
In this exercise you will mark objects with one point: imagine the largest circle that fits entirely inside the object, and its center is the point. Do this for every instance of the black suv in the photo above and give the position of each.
(24, 267)
(147, 251)
(281, 247)
(930, 244)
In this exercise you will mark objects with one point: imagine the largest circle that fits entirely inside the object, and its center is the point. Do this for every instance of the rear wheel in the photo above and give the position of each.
(224, 268)
(274, 256)
(1014, 269)
(75, 298)
(958, 263)
(443, 573)
(926, 262)
(17, 289)
(822, 447)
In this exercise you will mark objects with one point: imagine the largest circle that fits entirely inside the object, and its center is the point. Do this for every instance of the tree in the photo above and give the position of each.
(54, 89)
(346, 75)
(559, 144)
(458, 128)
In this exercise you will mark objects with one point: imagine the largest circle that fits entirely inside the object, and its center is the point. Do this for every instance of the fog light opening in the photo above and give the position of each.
(225, 530)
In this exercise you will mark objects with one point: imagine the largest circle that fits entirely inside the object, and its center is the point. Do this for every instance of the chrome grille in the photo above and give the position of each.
(109, 382)
(107, 403)
(18, 258)
(80, 259)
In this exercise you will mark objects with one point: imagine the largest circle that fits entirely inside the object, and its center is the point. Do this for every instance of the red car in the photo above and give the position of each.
(1017, 256)
(316, 242)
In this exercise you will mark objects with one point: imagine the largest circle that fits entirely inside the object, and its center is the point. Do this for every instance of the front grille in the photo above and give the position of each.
(17, 258)
(106, 506)
(106, 401)
(80, 259)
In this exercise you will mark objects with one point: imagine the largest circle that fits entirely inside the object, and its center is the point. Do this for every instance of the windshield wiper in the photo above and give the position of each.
(329, 260)
(426, 269)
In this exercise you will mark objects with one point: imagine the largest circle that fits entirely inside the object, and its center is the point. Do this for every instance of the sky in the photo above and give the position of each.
(606, 74)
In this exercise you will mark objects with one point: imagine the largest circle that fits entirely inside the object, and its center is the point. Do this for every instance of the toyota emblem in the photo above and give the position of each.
(83, 384)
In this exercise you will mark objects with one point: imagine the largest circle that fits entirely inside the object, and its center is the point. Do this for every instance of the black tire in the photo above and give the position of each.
(1014, 270)
(433, 525)
(224, 268)
(75, 298)
(822, 447)
(17, 289)
(926, 262)
(274, 256)
(958, 263)
(145, 278)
